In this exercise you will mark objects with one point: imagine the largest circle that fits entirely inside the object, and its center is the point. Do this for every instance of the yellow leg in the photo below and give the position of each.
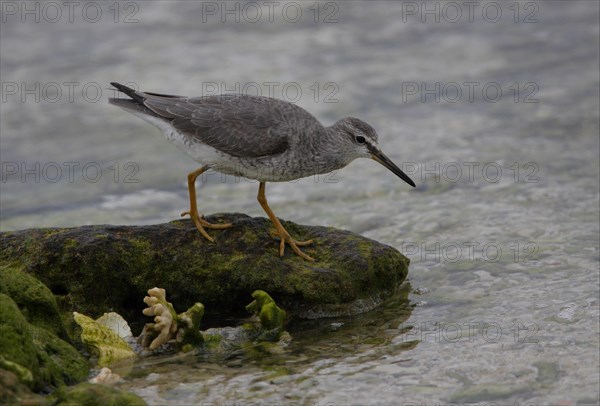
(193, 212)
(283, 234)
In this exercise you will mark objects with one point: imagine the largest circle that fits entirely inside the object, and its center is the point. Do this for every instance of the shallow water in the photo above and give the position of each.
(502, 230)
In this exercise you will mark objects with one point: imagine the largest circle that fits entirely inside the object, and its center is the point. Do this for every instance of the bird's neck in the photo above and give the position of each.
(326, 146)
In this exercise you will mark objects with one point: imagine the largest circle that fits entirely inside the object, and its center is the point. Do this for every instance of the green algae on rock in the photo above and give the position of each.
(23, 374)
(90, 394)
(39, 357)
(34, 299)
(115, 264)
(34, 346)
(270, 315)
(189, 335)
(266, 335)
(103, 341)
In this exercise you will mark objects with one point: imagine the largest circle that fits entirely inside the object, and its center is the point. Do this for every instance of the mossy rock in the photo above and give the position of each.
(264, 307)
(96, 269)
(95, 395)
(25, 348)
(34, 299)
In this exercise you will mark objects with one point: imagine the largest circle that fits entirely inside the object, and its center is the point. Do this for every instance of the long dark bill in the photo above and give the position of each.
(385, 161)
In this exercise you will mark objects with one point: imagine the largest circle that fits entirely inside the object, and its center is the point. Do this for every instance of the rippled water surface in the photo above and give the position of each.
(502, 230)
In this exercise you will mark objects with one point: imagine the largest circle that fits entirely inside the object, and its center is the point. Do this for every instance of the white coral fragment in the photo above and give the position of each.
(164, 316)
(105, 376)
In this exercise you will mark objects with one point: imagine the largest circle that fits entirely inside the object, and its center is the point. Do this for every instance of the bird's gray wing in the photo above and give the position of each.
(241, 126)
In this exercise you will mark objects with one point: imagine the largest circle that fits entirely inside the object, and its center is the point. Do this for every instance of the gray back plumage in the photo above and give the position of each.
(238, 125)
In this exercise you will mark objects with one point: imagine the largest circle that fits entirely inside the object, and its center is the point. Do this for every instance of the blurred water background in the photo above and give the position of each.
(492, 108)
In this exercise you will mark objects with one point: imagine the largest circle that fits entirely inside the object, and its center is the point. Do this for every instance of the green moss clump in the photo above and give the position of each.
(51, 361)
(16, 341)
(95, 395)
(189, 335)
(212, 342)
(270, 315)
(23, 374)
(34, 299)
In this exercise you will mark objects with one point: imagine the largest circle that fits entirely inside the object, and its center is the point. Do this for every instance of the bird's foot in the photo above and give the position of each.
(201, 224)
(285, 238)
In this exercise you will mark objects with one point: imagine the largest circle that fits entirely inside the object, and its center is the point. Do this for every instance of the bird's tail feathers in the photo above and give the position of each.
(132, 106)
(134, 94)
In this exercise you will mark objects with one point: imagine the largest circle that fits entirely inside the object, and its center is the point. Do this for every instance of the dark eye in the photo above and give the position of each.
(360, 139)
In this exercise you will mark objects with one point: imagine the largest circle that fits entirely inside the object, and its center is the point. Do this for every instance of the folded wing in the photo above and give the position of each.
(241, 126)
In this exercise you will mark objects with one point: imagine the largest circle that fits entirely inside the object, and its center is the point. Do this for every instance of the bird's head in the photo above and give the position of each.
(360, 140)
